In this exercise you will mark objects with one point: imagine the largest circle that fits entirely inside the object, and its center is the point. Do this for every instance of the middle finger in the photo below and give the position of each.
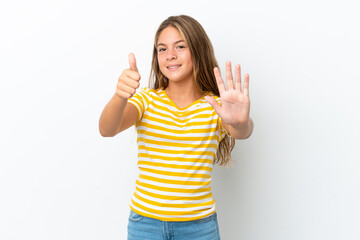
(229, 76)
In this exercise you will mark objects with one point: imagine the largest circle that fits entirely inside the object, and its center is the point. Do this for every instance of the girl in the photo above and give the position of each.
(186, 121)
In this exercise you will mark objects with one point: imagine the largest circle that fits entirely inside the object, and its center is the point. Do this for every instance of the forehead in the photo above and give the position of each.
(169, 35)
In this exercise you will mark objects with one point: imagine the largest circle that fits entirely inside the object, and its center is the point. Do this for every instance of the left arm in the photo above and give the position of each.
(235, 103)
(241, 131)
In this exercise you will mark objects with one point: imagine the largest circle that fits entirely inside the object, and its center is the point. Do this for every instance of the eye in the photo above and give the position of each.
(161, 49)
(181, 46)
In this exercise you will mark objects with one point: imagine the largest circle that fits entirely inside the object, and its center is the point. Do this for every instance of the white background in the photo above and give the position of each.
(296, 178)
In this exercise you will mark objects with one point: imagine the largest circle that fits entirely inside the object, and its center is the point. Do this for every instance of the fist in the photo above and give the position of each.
(129, 79)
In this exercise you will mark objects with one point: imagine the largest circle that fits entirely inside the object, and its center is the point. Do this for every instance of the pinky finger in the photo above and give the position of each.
(246, 84)
(123, 94)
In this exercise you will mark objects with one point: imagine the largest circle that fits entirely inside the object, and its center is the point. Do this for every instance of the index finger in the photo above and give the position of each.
(219, 80)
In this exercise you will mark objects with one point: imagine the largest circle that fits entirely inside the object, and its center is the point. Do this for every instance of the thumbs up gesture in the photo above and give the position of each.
(129, 79)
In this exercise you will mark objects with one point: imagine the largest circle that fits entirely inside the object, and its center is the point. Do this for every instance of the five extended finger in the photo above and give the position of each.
(246, 84)
(214, 104)
(219, 80)
(229, 76)
(237, 77)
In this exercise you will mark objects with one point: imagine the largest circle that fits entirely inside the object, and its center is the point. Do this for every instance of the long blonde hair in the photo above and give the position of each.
(204, 61)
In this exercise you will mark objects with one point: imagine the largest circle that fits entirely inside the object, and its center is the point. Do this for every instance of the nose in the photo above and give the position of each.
(171, 54)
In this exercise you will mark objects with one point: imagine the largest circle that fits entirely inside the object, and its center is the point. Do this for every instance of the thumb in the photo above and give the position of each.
(214, 104)
(132, 62)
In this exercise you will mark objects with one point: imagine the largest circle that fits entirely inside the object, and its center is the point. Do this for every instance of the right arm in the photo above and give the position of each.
(118, 114)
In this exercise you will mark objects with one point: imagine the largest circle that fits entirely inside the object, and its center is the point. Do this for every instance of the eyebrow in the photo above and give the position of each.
(179, 41)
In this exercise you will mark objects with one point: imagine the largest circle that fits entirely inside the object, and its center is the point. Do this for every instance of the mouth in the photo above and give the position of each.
(173, 67)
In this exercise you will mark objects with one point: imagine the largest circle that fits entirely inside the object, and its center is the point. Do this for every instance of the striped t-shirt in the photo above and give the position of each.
(177, 148)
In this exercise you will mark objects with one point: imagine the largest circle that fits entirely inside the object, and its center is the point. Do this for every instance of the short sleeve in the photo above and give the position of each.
(221, 130)
(141, 101)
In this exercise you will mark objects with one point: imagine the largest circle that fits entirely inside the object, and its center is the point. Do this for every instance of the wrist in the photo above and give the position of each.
(242, 124)
(120, 96)
(242, 130)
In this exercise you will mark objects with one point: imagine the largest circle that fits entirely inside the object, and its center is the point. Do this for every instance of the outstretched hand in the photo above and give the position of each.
(235, 101)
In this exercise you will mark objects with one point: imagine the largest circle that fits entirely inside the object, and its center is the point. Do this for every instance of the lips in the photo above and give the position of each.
(173, 67)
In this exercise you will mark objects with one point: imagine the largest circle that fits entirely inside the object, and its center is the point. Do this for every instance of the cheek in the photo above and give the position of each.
(189, 62)
(189, 59)
(160, 61)
(161, 65)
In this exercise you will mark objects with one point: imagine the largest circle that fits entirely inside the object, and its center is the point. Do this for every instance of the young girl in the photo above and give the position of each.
(186, 121)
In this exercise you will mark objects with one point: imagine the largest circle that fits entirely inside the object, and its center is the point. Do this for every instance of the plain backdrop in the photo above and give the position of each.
(296, 178)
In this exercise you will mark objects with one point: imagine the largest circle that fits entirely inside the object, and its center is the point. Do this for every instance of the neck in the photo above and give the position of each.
(183, 91)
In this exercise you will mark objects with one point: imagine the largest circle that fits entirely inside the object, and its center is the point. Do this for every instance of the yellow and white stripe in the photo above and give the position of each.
(177, 148)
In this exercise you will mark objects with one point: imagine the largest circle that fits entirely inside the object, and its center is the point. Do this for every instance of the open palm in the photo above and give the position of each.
(235, 101)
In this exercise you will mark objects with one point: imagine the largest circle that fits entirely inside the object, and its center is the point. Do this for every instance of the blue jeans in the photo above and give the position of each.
(145, 228)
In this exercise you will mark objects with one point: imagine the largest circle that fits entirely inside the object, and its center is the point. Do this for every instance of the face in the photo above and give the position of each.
(174, 56)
